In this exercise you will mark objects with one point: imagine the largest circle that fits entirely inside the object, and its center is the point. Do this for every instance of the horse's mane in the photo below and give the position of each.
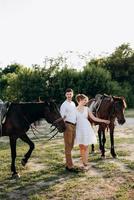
(33, 109)
(25, 103)
(122, 99)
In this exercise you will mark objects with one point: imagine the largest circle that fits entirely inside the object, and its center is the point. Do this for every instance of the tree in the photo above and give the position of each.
(121, 64)
(12, 68)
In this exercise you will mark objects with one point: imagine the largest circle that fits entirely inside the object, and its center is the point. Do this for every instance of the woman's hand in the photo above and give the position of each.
(106, 121)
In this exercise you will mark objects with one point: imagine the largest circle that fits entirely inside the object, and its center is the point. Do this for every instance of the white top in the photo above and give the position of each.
(68, 111)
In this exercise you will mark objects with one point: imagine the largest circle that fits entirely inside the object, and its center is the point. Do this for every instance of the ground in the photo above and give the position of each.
(45, 178)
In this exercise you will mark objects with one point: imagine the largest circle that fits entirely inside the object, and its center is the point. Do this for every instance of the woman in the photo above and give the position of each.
(84, 132)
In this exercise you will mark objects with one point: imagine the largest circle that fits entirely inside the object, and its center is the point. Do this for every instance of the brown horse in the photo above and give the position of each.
(111, 108)
(19, 118)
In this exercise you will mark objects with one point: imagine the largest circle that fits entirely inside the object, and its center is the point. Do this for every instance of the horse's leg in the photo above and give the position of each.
(92, 148)
(26, 139)
(13, 155)
(112, 142)
(100, 140)
(103, 144)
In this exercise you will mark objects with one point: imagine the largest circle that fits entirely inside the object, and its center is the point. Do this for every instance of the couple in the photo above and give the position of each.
(78, 128)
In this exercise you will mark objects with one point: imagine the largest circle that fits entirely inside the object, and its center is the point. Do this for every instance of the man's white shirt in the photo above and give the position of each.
(68, 111)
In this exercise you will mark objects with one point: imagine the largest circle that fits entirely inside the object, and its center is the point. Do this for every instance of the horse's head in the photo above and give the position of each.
(119, 108)
(52, 115)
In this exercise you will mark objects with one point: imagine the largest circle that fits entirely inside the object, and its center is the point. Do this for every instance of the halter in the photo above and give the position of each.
(57, 120)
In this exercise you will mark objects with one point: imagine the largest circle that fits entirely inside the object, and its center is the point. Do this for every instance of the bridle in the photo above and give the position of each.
(57, 120)
(53, 124)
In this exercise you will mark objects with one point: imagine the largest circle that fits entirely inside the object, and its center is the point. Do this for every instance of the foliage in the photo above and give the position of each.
(121, 63)
(113, 75)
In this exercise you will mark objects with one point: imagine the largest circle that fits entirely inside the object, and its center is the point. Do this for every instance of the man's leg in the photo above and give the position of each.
(69, 136)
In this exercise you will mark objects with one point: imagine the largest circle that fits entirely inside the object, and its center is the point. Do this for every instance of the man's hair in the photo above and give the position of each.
(81, 97)
(69, 90)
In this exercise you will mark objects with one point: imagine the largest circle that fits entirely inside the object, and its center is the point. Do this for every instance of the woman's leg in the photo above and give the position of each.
(83, 153)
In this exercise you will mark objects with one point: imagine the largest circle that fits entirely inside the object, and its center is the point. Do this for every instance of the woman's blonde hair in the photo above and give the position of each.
(80, 97)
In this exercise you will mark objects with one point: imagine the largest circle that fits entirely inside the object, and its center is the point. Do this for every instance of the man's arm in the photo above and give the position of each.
(63, 111)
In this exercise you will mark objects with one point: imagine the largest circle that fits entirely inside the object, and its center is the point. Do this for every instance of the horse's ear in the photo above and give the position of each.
(124, 101)
(114, 97)
(122, 97)
(41, 100)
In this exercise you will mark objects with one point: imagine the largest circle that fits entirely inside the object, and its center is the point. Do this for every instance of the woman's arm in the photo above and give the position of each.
(96, 119)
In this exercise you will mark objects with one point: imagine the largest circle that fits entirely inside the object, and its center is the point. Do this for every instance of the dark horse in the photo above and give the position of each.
(19, 118)
(111, 108)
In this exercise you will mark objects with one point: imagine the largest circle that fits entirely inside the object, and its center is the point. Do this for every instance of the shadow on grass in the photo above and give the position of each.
(35, 182)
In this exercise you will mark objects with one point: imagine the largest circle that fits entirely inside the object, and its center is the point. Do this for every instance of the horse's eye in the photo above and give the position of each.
(48, 104)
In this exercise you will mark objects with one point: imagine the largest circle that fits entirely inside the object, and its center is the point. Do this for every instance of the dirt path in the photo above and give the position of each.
(44, 177)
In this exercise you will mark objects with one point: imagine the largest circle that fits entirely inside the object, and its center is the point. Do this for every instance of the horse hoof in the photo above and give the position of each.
(103, 157)
(23, 162)
(15, 176)
(114, 156)
(100, 151)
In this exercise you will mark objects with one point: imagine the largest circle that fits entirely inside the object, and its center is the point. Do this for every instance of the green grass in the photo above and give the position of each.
(123, 153)
(128, 163)
(51, 181)
(129, 113)
(36, 197)
(121, 193)
(123, 140)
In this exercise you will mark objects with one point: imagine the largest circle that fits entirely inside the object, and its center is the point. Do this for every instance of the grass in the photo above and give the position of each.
(128, 163)
(123, 140)
(123, 153)
(45, 177)
(129, 113)
(121, 193)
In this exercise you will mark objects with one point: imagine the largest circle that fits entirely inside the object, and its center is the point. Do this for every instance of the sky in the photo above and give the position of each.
(30, 30)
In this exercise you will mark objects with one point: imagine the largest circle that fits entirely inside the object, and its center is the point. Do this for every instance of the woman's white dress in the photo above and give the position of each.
(84, 131)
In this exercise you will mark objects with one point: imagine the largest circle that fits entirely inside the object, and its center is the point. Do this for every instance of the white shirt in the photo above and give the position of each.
(68, 111)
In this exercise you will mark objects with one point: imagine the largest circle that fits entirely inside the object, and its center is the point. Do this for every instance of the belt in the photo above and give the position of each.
(70, 123)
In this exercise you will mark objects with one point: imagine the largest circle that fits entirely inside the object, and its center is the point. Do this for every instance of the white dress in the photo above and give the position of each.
(84, 131)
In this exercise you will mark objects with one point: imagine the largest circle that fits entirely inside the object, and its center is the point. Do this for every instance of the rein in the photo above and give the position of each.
(57, 120)
(53, 124)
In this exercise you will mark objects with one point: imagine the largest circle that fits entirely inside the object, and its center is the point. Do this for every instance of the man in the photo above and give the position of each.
(68, 112)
